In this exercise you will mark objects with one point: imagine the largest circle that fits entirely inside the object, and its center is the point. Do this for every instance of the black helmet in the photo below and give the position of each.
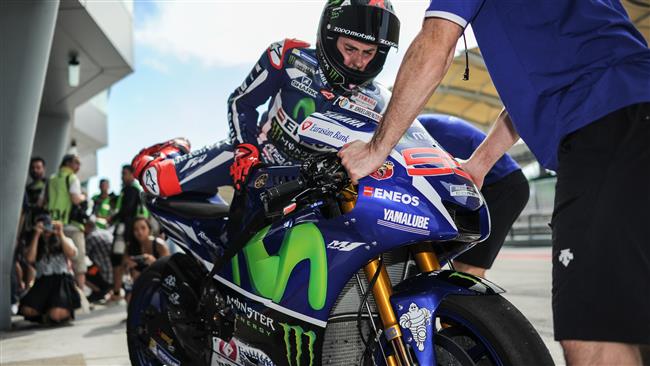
(369, 21)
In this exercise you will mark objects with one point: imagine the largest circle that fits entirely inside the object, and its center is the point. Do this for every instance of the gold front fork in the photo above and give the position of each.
(383, 289)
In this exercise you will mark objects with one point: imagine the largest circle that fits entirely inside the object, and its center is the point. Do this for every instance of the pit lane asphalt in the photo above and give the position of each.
(99, 338)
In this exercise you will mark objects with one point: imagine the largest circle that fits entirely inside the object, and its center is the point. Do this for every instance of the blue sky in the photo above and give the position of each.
(189, 57)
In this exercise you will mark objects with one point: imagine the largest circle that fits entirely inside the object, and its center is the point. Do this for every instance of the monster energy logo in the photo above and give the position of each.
(269, 274)
(298, 335)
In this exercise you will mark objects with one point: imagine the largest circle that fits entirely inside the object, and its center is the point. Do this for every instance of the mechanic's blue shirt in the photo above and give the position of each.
(557, 65)
(460, 138)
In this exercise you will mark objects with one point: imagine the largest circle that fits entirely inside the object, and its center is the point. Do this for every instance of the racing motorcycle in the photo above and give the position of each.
(305, 269)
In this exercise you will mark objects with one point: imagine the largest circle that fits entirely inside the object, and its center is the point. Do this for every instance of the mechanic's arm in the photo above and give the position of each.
(501, 137)
(425, 64)
(261, 83)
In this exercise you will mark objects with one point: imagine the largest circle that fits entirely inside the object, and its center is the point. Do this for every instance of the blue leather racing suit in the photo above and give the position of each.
(288, 76)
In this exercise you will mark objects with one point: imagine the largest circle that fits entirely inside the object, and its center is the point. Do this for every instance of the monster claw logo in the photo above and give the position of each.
(294, 334)
(384, 172)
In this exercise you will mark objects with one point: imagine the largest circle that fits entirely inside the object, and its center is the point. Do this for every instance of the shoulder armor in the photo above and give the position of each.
(278, 50)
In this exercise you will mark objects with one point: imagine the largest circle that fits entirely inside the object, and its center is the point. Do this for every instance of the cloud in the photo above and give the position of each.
(156, 64)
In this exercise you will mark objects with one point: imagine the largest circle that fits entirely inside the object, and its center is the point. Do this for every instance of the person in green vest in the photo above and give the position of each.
(104, 204)
(64, 197)
(128, 207)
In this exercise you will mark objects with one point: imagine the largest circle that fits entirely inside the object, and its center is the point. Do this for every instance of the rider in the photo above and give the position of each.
(353, 40)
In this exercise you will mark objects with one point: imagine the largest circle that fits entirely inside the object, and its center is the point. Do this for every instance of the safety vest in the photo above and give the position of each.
(103, 209)
(59, 203)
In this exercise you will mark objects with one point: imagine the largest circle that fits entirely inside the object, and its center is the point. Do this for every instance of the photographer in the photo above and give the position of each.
(53, 296)
(144, 249)
(67, 203)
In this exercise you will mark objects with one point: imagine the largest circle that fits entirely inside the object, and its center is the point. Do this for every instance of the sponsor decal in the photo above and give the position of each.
(236, 352)
(170, 282)
(436, 161)
(344, 246)
(345, 119)
(162, 354)
(386, 194)
(364, 100)
(305, 106)
(348, 32)
(194, 162)
(384, 172)
(273, 155)
(305, 56)
(346, 104)
(327, 94)
(151, 180)
(304, 85)
(174, 298)
(463, 190)
(261, 181)
(294, 338)
(387, 42)
(306, 125)
(254, 356)
(251, 317)
(565, 257)
(301, 65)
(407, 222)
(269, 274)
(416, 320)
(325, 134)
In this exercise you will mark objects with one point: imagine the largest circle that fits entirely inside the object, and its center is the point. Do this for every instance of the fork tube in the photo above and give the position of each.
(381, 291)
(425, 257)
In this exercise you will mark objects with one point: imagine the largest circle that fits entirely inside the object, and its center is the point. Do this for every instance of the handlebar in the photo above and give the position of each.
(320, 175)
(285, 189)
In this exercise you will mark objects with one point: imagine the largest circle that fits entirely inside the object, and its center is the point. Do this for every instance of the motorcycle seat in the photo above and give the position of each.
(190, 206)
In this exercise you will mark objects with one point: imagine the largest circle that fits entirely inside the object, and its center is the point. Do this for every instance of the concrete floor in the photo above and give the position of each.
(99, 338)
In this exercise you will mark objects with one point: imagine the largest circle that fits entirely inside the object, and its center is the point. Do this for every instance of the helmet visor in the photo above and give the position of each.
(370, 24)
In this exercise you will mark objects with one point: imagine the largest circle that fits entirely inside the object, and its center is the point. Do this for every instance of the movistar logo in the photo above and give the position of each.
(294, 335)
(269, 274)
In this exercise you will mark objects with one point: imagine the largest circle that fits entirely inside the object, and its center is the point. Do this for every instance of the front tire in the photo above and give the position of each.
(486, 330)
(150, 337)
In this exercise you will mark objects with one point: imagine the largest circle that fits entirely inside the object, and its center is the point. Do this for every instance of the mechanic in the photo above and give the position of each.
(505, 189)
(574, 77)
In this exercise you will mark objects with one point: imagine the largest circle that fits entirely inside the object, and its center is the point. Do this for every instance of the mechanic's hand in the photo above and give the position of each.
(474, 170)
(360, 159)
(246, 157)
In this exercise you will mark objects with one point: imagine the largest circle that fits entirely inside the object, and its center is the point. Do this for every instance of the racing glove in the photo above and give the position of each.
(246, 157)
(168, 149)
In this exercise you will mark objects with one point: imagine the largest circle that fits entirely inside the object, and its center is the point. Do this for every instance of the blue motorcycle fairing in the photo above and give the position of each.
(416, 300)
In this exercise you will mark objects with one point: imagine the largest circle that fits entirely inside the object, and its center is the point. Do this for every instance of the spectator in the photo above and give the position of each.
(144, 249)
(99, 248)
(128, 207)
(64, 201)
(103, 204)
(33, 205)
(53, 296)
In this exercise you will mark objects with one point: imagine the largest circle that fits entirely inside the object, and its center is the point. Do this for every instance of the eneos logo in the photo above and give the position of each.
(385, 194)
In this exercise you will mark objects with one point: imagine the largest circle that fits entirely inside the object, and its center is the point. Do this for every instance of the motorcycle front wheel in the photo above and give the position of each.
(486, 330)
(150, 337)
